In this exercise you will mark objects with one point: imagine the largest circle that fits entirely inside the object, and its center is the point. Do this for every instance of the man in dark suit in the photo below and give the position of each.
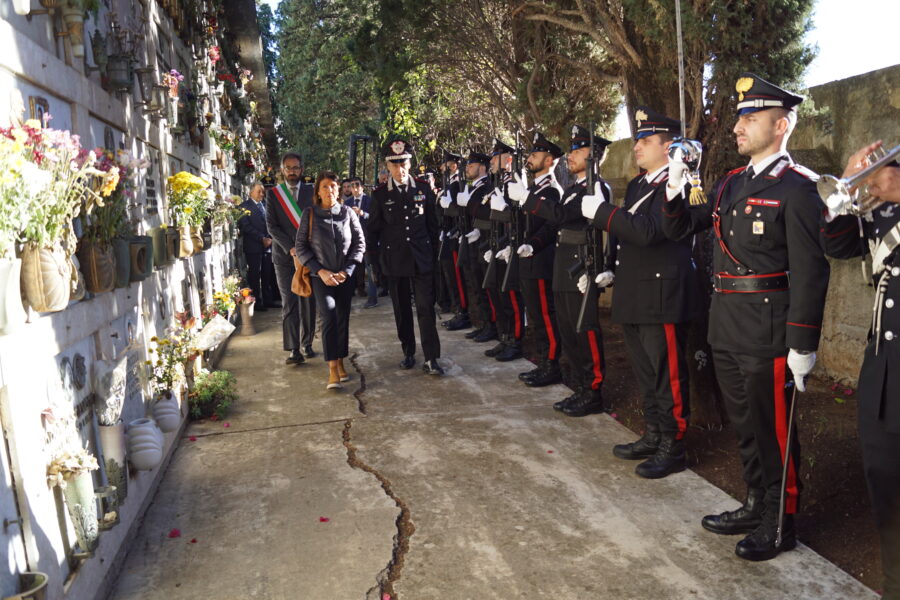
(770, 281)
(403, 226)
(257, 247)
(360, 202)
(284, 204)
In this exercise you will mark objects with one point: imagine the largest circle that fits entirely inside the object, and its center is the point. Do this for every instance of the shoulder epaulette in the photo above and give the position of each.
(805, 172)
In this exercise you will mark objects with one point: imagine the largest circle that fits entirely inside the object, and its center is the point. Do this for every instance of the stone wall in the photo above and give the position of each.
(847, 115)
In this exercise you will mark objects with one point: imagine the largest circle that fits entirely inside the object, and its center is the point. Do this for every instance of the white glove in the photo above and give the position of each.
(591, 202)
(446, 199)
(504, 254)
(517, 190)
(800, 365)
(677, 170)
(605, 279)
(462, 198)
(525, 250)
(498, 202)
(473, 236)
(453, 235)
(442, 237)
(583, 283)
(488, 256)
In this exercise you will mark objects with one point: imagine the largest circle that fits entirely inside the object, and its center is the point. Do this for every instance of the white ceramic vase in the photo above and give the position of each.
(82, 506)
(112, 442)
(166, 412)
(145, 444)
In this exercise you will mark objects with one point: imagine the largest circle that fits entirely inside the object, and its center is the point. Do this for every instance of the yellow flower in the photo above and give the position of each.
(188, 210)
(154, 339)
(33, 123)
(110, 181)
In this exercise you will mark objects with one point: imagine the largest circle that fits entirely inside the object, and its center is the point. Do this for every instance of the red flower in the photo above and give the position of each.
(193, 438)
(175, 533)
(324, 519)
(193, 540)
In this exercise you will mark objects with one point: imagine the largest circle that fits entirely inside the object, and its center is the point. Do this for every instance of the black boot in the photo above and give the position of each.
(512, 351)
(527, 375)
(587, 403)
(562, 404)
(761, 543)
(475, 332)
(668, 459)
(550, 375)
(643, 448)
(488, 333)
(459, 321)
(493, 352)
(743, 520)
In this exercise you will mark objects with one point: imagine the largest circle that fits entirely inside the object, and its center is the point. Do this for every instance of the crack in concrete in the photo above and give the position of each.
(255, 429)
(405, 528)
(358, 394)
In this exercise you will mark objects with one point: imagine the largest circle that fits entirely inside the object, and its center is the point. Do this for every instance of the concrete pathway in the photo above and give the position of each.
(406, 486)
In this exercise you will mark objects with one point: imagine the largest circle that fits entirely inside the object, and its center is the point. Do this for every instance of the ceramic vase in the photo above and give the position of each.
(145, 444)
(112, 442)
(82, 507)
(166, 412)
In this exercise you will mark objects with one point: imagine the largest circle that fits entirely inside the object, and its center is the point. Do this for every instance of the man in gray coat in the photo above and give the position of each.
(284, 205)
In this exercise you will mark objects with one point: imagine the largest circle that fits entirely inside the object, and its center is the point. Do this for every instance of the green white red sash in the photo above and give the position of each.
(288, 203)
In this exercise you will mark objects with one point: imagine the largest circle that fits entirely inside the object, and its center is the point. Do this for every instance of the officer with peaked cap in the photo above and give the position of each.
(403, 226)
(654, 298)
(536, 251)
(470, 199)
(583, 350)
(765, 319)
(449, 244)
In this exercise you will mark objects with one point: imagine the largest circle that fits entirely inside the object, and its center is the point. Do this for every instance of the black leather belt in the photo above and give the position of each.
(572, 237)
(725, 283)
(483, 224)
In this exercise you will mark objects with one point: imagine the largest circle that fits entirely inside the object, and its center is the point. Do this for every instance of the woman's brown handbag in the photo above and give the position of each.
(301, 284)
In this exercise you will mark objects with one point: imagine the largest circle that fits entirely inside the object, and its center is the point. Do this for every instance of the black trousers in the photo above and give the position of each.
(456, 283)
(881, 462)
(507, 306)
(479, 304)
(334, 309)
(298, 315)
(758, 406)
(584, 351)
(541, 311)
(260, 277)
(657, 353)
(402, 288)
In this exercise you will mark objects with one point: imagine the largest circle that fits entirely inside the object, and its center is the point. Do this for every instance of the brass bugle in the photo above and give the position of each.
(839, 196)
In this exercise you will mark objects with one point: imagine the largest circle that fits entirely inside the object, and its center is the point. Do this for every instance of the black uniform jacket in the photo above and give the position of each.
(566, 217)
(879, 379)
(768, 224)
(280, 228)
(655, 276)
(479, 211)
(403, 228)
(537, 231)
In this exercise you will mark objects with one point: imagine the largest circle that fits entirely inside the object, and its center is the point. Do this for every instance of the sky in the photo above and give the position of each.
(853, 37)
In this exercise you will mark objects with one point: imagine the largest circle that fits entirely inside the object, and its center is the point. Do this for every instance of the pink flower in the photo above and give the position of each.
(226, 425)
(175, 533)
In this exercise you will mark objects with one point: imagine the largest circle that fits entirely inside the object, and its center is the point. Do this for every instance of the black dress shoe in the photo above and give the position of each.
(743, 520)
(762, 544)
(295, 358)
(475, 332)
(643, 448)
(459, 321)
(532, 373)
(493, 352)
(669, 458)
(588, 402)
(548, 376)
(408, 362)
(382, 293)
(431, 367)
(512, 351)
(309, 352)
(489, 333)
(566, 401)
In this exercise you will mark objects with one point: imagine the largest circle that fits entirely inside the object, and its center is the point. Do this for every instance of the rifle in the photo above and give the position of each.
(490, 274)
(461, 221)
(591, 254)
(511, 275)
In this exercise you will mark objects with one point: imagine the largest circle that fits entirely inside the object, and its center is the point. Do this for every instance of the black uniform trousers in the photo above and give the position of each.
(455, 280)
(298, 315)
(260, 275)
(480, 307)
(657, 353)
(541, 311)
(584, 351)
(758, 406)
(333, 303)
(422, 286)
(881, 463)
(507, 306)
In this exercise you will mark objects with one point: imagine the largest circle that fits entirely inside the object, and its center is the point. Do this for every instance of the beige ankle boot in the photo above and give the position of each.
(342, 372)
(334, 378)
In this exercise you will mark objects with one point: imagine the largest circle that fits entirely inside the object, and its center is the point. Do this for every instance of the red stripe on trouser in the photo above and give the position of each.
(781, 432)
(493, 310)
(516, 314)
(595, 356)
(459, 281)
(548, 324)
(674, 379)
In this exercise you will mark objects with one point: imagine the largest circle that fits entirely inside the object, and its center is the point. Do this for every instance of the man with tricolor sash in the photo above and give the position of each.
(284, 205)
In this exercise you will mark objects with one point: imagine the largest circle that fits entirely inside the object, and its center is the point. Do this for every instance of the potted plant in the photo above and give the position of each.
(103, 225)
(167, 368)
(213, 394)
(71, 469)
(189, 200)
(246, 301)
(109, 388)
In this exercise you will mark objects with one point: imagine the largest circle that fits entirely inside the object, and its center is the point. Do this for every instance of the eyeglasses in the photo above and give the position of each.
(291, 168)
